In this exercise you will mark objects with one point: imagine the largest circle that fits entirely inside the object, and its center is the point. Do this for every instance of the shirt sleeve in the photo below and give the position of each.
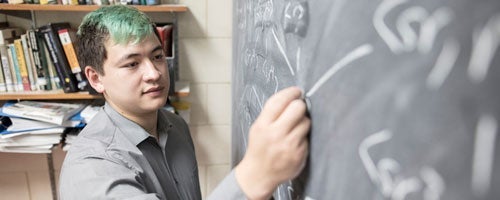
(97, 178)
(228, 189)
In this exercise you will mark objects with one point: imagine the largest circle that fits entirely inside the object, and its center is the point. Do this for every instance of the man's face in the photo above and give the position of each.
(136, 79)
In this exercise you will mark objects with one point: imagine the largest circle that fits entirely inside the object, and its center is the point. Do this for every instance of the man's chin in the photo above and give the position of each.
(156, 103)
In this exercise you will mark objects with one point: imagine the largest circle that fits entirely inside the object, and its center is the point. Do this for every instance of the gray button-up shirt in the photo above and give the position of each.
(114, 158)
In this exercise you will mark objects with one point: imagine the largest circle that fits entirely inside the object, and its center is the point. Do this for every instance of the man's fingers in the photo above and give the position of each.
(277, 104)
(292, 115)
(300, 131)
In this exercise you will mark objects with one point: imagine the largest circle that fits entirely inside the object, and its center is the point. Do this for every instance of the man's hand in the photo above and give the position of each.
(277, 145)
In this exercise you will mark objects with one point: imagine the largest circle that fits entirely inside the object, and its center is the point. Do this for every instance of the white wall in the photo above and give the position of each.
(205, 61)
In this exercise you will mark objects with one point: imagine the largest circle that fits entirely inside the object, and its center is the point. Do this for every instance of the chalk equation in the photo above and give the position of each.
(431, 24)
(486, 39)
(385, 173)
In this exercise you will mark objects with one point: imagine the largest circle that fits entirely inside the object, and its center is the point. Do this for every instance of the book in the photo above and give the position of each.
(26, 125)
(68, 81)
(3, 84)
(16, 74)
(28, 59)
(52, 112)
(34, 68)
(67, 37)
(69, 2)
(54, 79)
(39, 60)
(165, 32)
(21, 125)
(16, 1)
(3, 81)
(42, 75)
(9, 83)
(23, 69)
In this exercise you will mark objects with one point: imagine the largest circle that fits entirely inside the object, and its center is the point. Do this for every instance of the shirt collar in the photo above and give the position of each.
(131, 130)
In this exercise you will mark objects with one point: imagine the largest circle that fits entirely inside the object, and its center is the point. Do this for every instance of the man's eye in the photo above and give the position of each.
(159, 57)
(133, 64)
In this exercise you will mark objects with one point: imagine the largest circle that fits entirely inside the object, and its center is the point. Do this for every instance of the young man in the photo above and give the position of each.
(132, 149)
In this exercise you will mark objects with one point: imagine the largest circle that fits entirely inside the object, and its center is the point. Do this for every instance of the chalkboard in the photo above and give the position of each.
(403, 94)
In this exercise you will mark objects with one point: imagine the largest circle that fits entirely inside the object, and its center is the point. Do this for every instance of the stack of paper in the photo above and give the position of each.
(36, 126)
(36, 141)
(55, 113)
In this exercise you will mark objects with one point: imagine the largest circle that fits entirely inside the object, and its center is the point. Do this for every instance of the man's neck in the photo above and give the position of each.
(149, 124)
(148, 121)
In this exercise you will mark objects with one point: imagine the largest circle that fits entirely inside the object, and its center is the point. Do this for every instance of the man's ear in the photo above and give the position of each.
(94, 79)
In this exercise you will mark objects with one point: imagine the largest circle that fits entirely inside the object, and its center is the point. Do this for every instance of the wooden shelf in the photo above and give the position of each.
(47, 95)
(88, 8)
(60, 95)
(182, 89)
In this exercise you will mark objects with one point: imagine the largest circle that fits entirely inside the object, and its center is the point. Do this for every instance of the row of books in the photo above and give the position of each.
(84, 2)
(35, 126)
(40, 59)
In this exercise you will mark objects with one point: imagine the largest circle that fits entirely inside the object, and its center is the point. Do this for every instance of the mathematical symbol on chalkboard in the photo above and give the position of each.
(350, 57)
(296, 18)
(486, 42)
(430, 25)
(484, 150)
(285, 188)
(444, 64)
(385, 173)
(282, 51)
(264, 13)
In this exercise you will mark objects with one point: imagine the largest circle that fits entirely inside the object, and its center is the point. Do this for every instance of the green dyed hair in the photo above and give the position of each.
(119, 23)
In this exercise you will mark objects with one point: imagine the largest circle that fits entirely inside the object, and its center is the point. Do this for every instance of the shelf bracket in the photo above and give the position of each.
(50, 163)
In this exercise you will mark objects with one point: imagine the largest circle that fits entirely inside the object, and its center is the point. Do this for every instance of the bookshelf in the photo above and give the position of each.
(27, 11)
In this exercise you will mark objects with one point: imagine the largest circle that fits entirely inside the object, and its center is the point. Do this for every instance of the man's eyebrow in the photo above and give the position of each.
(159, 47)
(127, 56)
